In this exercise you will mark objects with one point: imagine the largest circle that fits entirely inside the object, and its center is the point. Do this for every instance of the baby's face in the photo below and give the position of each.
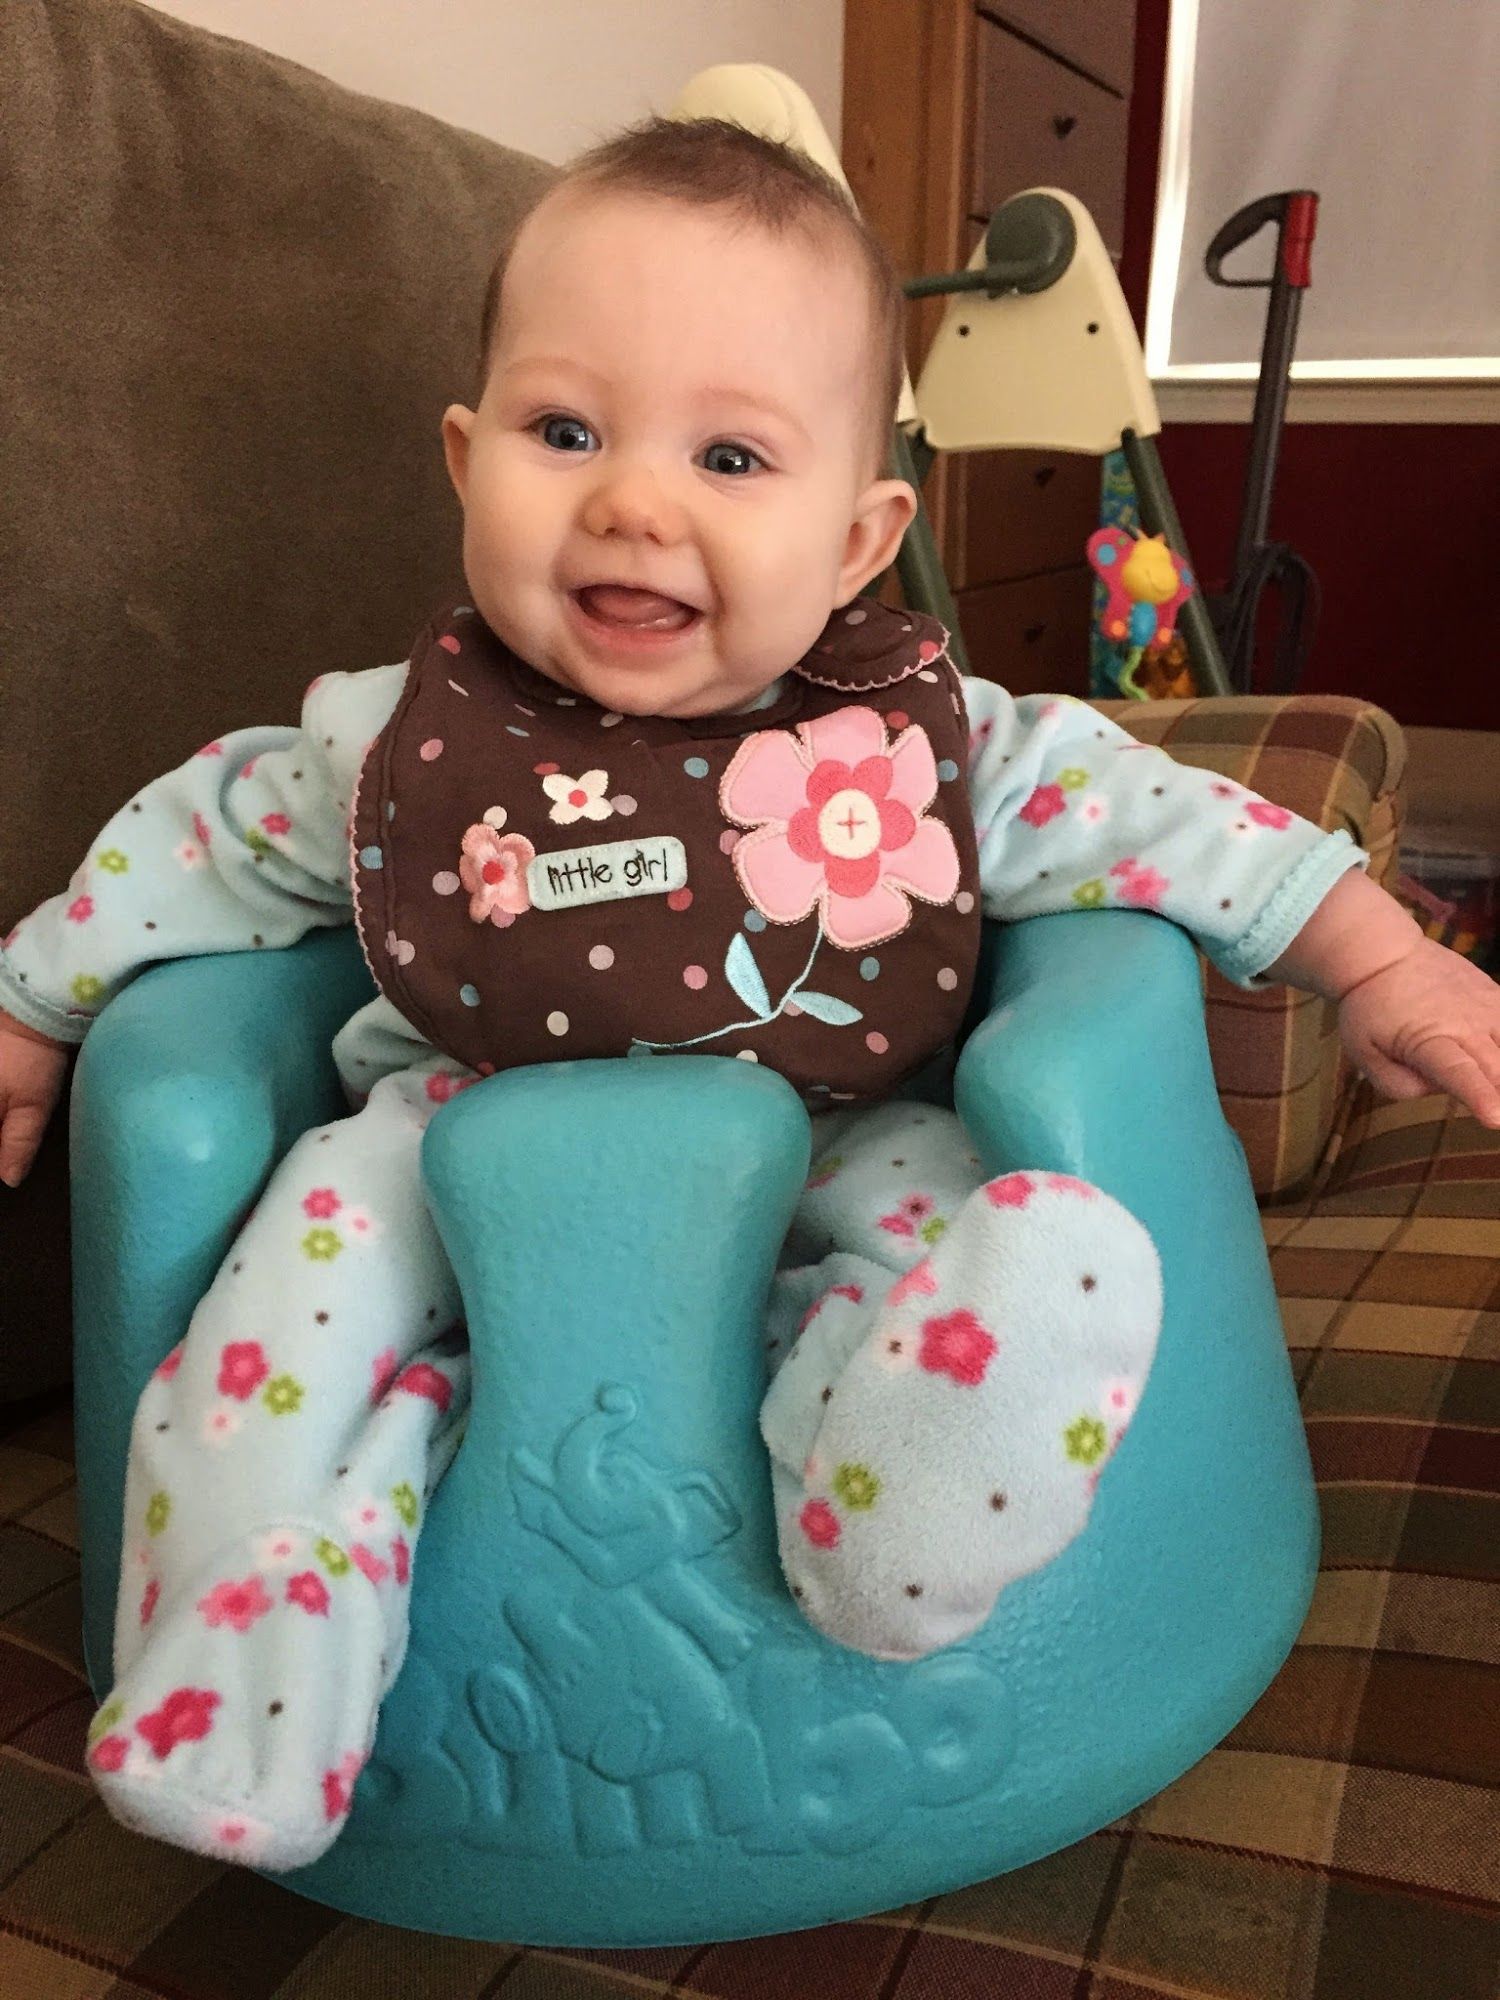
(675, 404)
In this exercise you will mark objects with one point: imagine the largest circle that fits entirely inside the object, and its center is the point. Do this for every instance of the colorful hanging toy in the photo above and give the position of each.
(1147, 584)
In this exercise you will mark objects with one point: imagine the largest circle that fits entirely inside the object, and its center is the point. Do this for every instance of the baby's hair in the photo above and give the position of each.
(714, 163)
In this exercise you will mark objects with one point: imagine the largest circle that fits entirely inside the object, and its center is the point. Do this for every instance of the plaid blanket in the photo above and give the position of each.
(1342, 1843)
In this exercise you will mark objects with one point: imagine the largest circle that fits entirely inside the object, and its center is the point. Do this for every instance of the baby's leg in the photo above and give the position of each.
(279, 1465)
(948, 1380)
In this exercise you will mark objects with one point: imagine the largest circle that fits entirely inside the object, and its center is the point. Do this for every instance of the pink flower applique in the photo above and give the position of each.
(383, 1372)
(1140, 886)
(242, 1368)
(310, 1591)
(236, 1604)
(80, 909)
(908, 1213)
(1045, 803)
(108, 1754)
(422, 1379)
(1070, 1184)
(401, 1558)
(1265, 814)
(820, 1524)
(321, 1203)
(443, 1085)
(149, 1600)
(1009, 1191)
(338, 1785)
(957, 1344)
(838, 819)
(493, 870)
(185, 1716)
(368, 1563)
(919, 1282)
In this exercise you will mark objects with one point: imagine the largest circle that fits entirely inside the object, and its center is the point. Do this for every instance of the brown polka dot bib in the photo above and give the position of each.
(537, 878)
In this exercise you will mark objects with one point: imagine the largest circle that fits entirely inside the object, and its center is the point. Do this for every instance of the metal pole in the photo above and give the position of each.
(1159, 517)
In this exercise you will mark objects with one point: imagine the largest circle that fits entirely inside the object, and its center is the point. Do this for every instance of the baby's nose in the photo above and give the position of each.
(633, 500)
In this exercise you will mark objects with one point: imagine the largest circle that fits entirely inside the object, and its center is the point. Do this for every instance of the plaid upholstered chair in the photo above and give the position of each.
(1334, 1843)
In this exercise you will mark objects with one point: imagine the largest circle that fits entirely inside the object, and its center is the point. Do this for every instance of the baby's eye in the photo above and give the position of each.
(741, 451)
(550, 424)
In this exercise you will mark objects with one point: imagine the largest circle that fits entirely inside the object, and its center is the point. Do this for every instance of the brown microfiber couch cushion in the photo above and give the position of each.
(236, 301)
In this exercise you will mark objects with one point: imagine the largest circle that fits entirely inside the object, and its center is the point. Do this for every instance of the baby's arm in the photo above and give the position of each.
(1073, 814)
(243, 846)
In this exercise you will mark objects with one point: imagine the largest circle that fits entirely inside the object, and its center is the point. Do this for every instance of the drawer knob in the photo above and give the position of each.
(1033, 633)
(1063, 126)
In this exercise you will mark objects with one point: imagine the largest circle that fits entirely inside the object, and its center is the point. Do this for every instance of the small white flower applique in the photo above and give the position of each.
(577, 798)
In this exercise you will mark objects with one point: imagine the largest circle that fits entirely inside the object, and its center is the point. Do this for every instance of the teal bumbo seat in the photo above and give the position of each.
(613, 1728)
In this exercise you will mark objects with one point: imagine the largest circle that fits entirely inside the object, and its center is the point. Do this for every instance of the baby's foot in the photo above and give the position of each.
(239, 1729)
(960, 1445)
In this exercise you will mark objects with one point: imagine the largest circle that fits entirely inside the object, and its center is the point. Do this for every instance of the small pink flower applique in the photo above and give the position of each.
(820, 1524)
(1009, 1191)
(321, 1203)
(1070, 1184)
(383, 1372)
(918, 1282)
(309, 1590)
(493, 870)
(338, 1785)
(185, 1716)
(1140, 886)
(401, 1558)
(957, 1344)
(422, 1379)
(235, 1604)
(1045, 803)
(149, 1599)
(242, 1368)
(908, 1214)
(838, 819)
(108, 1754)
(1265, 814)
(368, 1563)
(441, 1086)
(80, 909)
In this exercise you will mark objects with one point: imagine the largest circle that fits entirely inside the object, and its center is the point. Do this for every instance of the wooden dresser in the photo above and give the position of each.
(950, 108)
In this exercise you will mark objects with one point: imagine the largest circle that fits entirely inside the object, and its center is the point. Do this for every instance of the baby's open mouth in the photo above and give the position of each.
(640, 610)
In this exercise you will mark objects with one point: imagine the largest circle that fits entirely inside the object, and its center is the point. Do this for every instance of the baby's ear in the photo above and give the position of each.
(882, 514)
(458, 424)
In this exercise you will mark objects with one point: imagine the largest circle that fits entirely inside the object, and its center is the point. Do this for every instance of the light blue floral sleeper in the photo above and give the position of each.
(952, 1360)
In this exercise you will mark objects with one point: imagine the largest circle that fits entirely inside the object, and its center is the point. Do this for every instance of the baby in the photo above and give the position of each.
(666, 780)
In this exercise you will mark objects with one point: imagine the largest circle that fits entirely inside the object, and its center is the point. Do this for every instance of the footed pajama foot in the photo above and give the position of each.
(239, 1729)
(960, 1444)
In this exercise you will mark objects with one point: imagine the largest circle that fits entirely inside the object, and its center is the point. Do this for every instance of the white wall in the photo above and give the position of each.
(546, 76)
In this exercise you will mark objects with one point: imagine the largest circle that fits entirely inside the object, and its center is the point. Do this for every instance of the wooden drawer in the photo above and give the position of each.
(1038, 124)
(1032, 636)
(1023, 511)
(1097, 35)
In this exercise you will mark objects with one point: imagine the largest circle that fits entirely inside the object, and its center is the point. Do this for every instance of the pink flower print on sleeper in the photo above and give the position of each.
(235, 1604)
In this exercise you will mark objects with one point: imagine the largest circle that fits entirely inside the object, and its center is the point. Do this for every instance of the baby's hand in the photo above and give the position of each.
(1430, 1021)
(31, 1074)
